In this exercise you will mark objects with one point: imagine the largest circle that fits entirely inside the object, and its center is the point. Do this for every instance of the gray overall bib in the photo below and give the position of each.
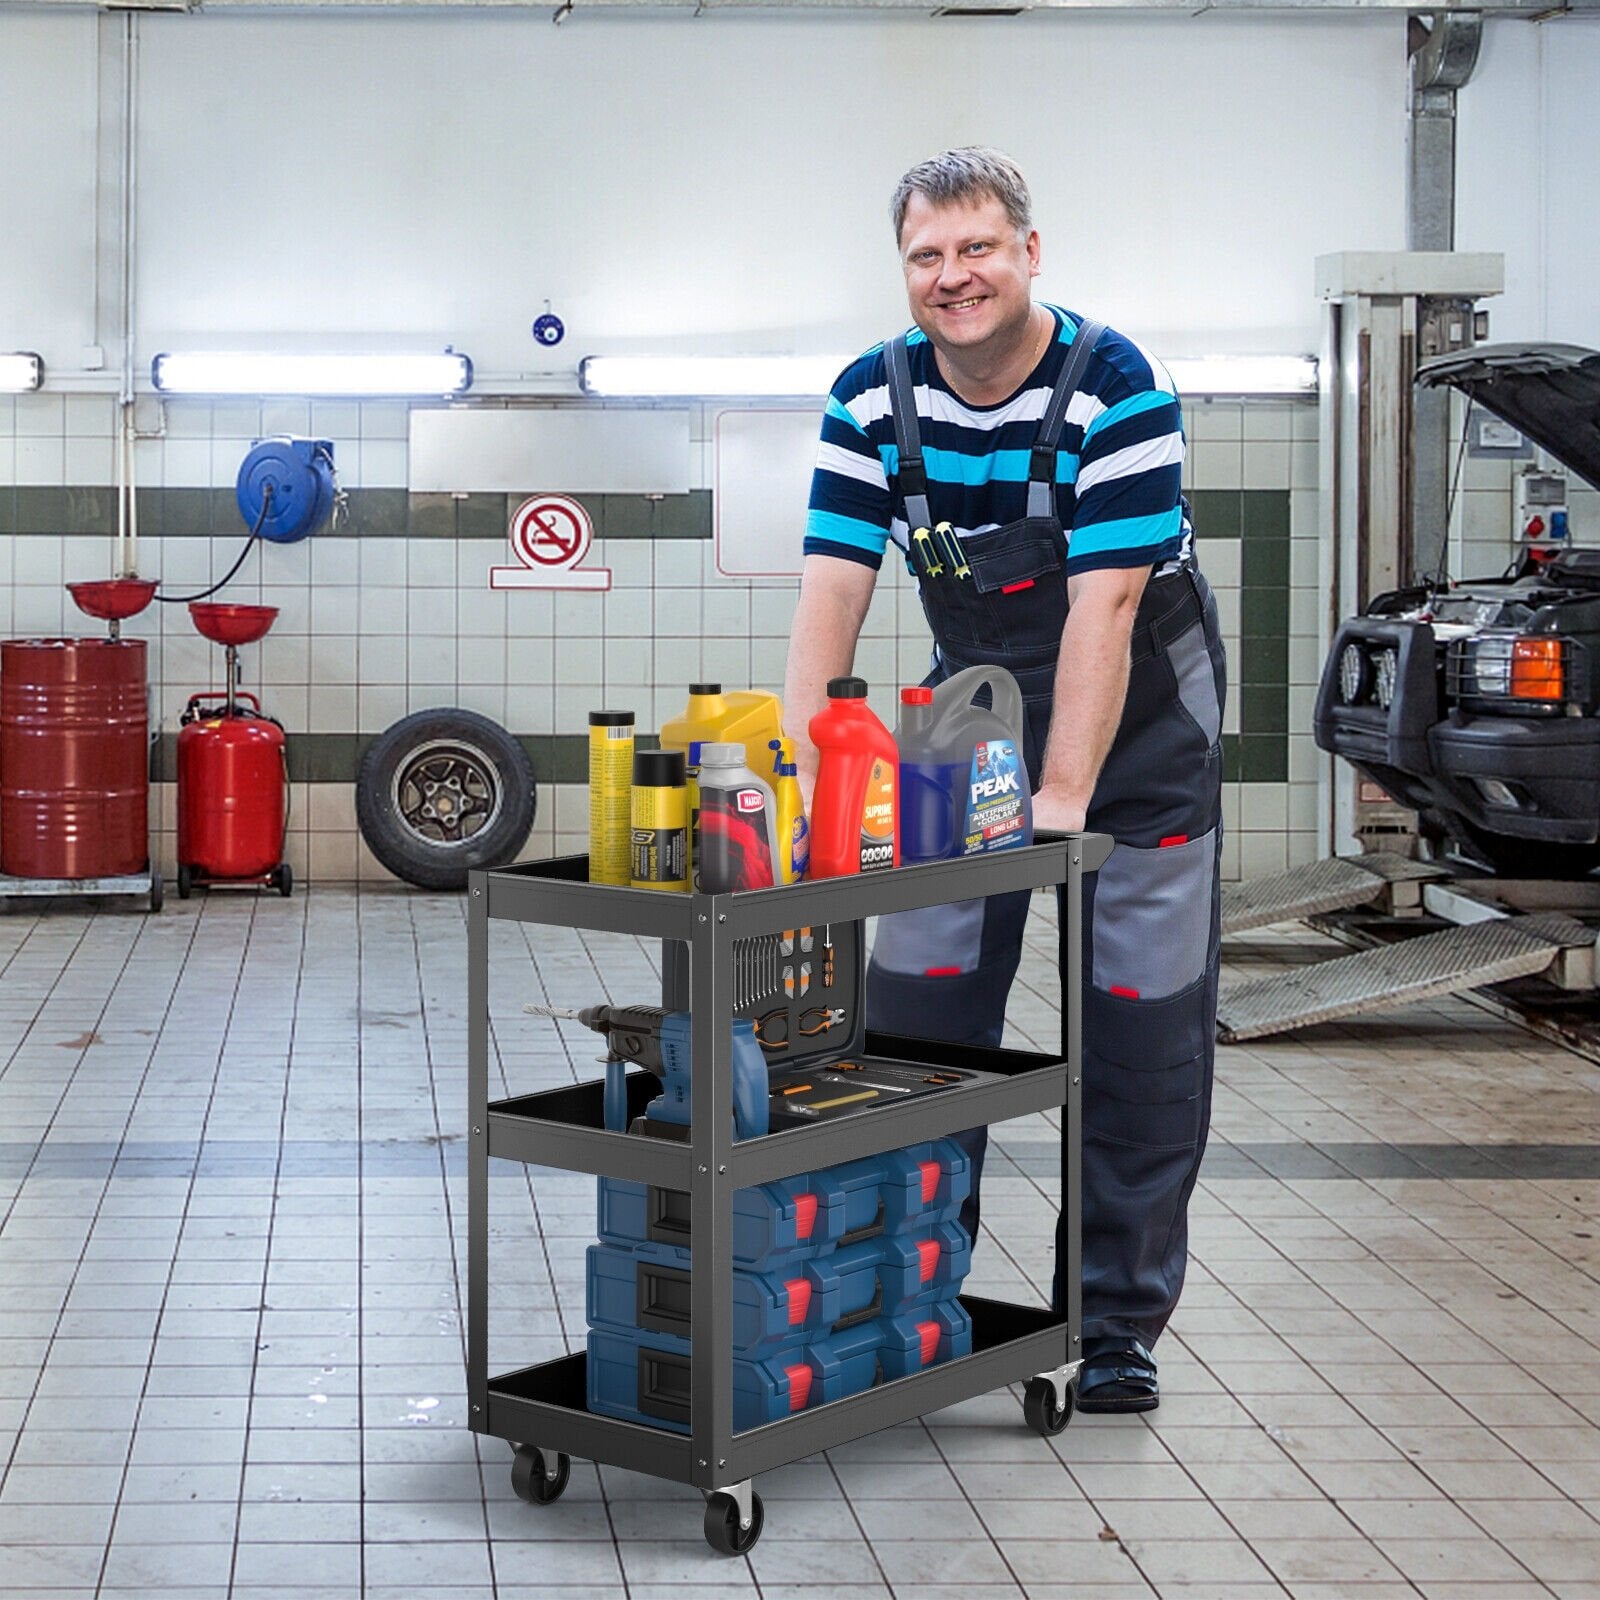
(1151, 939)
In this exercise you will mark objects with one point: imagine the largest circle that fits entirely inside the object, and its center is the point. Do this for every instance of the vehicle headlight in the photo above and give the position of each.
(1386, 677)
(1355, 674)
(1487, 667)
(1511, 667)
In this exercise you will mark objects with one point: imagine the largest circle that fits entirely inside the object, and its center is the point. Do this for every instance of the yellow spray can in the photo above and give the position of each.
(610, 780)
(660, 818)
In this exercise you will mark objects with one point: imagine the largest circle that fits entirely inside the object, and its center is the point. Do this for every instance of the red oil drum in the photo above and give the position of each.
(232, 790)
(74, 758)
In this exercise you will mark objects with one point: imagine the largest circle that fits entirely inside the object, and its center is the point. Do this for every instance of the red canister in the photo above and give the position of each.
(231, 792)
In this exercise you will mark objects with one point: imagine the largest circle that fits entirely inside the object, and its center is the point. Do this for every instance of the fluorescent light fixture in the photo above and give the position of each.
(235, 373)
(1243, 375)
(775, 376)
(803, 376)
(20, 372)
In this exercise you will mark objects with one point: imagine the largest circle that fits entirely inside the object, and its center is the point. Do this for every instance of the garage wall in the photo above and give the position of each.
(1529, 186)
(1529, 177)
(386, 180)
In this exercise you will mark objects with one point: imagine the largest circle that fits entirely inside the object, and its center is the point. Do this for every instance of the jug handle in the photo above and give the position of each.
(1005, 698)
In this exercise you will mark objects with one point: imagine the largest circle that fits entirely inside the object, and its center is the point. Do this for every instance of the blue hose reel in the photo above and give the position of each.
(286, 487)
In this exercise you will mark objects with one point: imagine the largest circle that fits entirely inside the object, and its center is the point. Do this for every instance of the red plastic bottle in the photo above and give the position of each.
(854, 809)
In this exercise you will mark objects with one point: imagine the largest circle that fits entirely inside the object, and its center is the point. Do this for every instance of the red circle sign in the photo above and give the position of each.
(551, 530)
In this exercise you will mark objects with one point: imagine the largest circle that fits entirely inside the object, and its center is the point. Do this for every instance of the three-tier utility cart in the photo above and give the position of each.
(542, 1409)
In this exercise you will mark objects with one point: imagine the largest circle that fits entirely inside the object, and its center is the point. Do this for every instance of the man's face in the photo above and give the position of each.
(967, 274)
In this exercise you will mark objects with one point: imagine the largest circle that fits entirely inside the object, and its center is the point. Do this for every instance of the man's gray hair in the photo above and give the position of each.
(960, 177)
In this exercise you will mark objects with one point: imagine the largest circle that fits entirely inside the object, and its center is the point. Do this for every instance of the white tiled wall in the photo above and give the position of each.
(373, 628)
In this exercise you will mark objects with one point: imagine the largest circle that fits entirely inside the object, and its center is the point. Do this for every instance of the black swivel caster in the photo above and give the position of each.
(185, 880)
(538, 1478)
(282, 879)
(1039, 1407)
(723, 1532)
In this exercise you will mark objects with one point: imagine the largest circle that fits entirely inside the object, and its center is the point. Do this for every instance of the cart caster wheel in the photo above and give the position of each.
(723, 1532)
(530, 1478)
(185, 880)
(157, 895)
(283, 879)
(1040, 1409)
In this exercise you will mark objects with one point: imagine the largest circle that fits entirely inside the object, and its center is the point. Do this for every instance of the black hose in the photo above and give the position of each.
(227, 578)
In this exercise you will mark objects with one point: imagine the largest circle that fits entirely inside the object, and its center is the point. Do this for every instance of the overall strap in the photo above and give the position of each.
(1042, 462)
(907, 436)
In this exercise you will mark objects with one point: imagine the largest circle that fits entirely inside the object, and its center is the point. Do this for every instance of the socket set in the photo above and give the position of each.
(802, 990)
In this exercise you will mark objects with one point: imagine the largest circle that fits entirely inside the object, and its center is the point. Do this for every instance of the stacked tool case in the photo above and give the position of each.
(711, 1245)
(847, 1304)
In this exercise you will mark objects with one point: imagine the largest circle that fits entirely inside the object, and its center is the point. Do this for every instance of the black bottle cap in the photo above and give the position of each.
(705, 688)
(847, 688)
(610, 719)
(659, 769)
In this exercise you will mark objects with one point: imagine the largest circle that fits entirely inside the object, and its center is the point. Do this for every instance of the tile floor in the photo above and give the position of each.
(232, 1187)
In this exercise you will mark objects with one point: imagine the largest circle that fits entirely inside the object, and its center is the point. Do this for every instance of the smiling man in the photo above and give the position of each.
(1053, 447)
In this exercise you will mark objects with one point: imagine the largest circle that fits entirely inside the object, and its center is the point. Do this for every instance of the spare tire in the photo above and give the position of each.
(442, 792)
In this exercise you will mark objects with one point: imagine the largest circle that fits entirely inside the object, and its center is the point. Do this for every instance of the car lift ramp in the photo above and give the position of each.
(1444, 962)
(1333, 885)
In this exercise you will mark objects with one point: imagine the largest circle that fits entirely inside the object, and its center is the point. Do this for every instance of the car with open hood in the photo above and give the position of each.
(1477, 702)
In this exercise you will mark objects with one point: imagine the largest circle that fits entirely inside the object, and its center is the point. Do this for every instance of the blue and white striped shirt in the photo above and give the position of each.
(1118, 464)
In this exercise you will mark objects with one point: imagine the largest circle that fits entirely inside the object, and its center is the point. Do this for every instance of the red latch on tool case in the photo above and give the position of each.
(798, 1291)
(930, 1180)
(799, 1385)
(805, 1215)
(928, 1259)
(928, 1332)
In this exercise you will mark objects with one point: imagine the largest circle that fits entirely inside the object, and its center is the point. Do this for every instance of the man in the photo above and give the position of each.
(1053, 447)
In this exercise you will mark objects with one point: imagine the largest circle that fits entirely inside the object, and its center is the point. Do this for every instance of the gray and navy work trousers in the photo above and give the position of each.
(1150, 960)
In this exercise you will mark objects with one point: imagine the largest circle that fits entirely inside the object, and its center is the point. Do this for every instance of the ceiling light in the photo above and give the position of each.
(1243, 375)
(225, 373)
(20, 372)
(806, 376)
(775, 376)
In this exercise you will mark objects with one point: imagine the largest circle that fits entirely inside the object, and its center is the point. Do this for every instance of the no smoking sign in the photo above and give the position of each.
(550, 534)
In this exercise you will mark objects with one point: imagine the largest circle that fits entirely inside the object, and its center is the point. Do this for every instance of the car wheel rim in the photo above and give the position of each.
(447, 792)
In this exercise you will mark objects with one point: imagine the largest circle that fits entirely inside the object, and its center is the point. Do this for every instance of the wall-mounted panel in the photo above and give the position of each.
(764, 461)
(470, 451)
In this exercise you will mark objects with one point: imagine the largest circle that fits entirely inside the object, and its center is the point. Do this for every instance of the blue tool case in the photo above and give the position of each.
(643, 1376)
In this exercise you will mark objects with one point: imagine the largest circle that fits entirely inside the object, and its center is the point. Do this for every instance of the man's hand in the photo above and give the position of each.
(1057, 812)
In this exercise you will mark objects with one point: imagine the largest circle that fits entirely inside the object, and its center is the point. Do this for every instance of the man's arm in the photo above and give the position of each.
(1091, 684)
(834, 596)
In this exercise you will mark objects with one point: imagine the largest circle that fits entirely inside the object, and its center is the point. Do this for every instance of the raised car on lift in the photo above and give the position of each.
(1477, 702)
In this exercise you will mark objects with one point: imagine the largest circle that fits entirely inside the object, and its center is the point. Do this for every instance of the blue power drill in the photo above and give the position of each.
(658, 1040)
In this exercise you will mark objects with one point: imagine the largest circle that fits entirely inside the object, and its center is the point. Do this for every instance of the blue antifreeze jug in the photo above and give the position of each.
(963, 783)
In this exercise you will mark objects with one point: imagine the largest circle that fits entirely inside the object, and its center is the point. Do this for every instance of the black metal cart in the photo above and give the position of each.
(542, 1409)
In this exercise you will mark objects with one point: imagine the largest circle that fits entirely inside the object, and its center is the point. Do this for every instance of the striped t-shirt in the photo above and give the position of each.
(1118, 463)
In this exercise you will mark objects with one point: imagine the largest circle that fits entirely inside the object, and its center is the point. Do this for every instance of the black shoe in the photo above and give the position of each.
(1117, 1375)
